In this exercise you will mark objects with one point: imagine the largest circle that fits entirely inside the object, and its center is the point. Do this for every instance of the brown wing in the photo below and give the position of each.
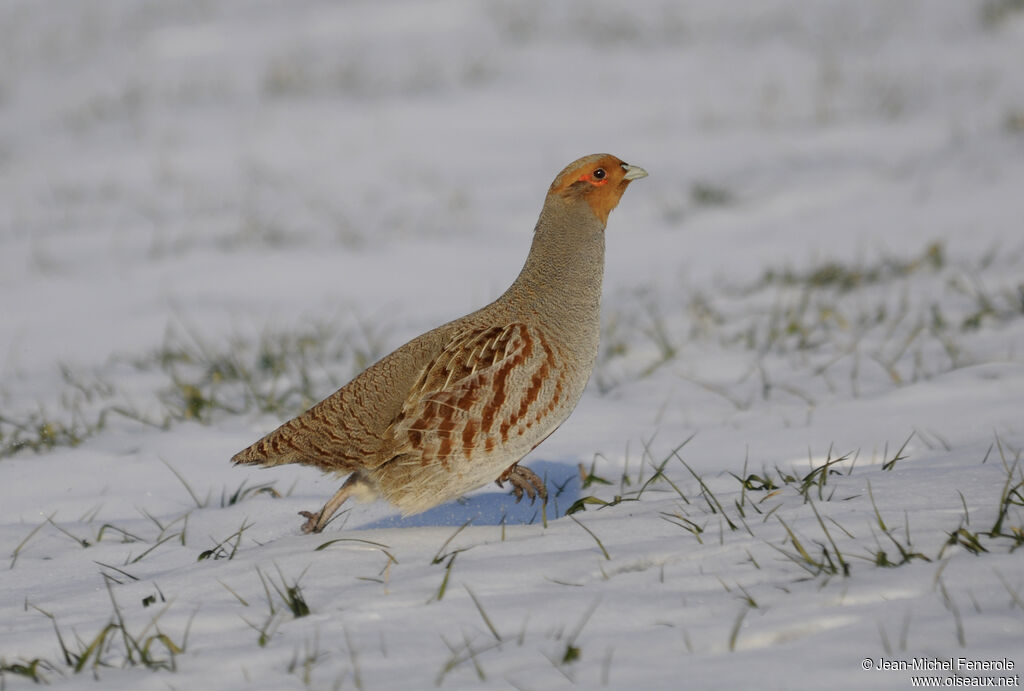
(347, 430)
(487, 386)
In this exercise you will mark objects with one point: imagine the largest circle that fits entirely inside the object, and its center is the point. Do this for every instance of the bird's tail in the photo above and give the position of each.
(273, 449)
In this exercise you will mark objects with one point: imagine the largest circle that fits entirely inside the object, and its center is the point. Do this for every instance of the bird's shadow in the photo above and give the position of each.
(500, 506)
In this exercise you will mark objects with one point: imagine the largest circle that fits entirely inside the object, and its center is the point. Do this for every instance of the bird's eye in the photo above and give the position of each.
(599, 174)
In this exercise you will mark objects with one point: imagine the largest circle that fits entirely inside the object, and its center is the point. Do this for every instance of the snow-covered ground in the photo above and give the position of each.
(801, 449)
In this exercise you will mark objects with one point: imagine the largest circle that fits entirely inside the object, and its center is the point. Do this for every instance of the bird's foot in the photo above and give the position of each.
(524, 481)
(312, 524)
(316, 522)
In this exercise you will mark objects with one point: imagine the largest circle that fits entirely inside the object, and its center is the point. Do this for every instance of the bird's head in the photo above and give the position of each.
(597, 180)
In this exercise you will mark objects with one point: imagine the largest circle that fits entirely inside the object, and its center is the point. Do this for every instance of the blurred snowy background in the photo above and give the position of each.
(213, 213)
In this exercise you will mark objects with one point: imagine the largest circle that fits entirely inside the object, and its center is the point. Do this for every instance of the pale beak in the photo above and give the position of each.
(633, 172)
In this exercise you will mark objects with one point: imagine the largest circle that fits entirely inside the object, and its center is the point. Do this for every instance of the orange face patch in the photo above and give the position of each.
(588, 179)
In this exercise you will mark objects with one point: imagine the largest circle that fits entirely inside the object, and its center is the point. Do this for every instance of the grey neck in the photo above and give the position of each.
(561, 280)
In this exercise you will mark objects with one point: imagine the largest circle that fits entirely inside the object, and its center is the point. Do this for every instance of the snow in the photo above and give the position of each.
(823, 268)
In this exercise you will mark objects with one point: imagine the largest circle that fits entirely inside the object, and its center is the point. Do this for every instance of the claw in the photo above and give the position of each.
(518, 491)
(310, 526)
(523, 481)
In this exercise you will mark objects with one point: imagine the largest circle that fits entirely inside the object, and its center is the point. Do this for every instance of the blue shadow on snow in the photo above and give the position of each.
(493, 508)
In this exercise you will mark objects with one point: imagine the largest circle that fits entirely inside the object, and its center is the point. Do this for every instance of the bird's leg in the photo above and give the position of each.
(523, 480)
(315, 522)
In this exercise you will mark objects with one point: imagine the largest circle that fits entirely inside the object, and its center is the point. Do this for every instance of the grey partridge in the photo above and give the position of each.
(461, 405)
